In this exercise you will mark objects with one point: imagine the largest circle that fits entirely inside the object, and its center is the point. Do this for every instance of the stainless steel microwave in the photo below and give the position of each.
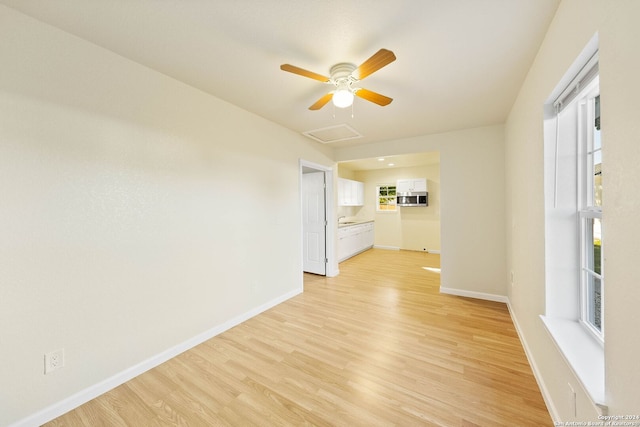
(414, 198)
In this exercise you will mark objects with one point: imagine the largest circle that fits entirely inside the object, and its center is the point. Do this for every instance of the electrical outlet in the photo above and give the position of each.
(53, 361)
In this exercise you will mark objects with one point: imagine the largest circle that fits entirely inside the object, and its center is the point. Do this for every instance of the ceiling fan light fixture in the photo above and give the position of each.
(343, 96)
(343, 76)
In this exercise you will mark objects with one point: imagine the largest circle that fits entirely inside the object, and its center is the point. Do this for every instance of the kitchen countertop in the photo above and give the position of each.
(355, 222)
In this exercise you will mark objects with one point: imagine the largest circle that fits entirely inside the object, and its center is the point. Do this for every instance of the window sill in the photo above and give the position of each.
(582, 352)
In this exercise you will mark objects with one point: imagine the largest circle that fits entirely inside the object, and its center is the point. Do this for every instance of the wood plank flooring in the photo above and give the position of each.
(376, 346)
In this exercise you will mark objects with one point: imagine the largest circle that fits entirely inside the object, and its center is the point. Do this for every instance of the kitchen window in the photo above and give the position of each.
(386, 195)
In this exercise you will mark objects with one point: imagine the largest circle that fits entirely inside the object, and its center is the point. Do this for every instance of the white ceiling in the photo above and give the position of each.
(459, 63)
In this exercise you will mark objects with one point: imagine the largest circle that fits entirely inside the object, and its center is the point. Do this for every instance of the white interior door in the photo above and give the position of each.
(314, 223)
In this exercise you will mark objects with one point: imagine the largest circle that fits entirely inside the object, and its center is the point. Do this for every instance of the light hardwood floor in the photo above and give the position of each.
(376, 346)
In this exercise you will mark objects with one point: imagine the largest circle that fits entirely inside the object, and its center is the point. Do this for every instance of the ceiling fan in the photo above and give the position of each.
(344, 76)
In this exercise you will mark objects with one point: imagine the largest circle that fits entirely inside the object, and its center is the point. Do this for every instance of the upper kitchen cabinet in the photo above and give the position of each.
(411, 185)
(350, 193)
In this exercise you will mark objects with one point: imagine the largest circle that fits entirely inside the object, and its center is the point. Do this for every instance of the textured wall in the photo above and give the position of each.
(137, 213)
(575, 24)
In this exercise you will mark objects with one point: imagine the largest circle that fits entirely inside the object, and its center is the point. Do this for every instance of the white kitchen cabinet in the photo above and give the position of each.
(411, 185)
(342, 191)
(358, 188)
(342, 244)
(350, 192)
(368, 235)
(354, 239)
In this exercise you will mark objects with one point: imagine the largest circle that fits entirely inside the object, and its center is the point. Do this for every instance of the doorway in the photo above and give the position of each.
(316, 196)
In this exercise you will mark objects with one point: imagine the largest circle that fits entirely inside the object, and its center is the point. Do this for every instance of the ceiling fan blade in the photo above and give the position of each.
(374, 97)
(378, 60)
(302, 72)
(322, 101)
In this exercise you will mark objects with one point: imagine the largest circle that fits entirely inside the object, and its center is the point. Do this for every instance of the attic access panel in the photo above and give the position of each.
(331, 134)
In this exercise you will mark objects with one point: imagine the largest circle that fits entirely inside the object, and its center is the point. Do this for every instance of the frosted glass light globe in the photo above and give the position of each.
(342, 98)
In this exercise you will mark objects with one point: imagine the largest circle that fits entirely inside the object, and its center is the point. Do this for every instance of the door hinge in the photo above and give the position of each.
(326, 260)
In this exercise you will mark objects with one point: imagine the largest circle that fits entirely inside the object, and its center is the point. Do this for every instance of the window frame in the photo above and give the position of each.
(583, 353)
(588, 212)
(394, 198)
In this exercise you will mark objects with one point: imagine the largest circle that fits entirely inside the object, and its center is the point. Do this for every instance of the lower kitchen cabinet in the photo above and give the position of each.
(353, 239)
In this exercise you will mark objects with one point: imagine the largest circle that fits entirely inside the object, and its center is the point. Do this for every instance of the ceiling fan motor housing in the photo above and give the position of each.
(342, 72)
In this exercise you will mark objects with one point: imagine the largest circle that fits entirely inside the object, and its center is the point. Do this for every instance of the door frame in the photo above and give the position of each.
(331, 228)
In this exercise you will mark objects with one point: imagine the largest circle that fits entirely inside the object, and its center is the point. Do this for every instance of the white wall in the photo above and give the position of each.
(574, 25)
(411, 228)
(136, 213)
(471, 203)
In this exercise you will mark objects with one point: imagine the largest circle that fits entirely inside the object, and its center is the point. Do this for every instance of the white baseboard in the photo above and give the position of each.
(396, 248)
(62, 407)
(472, 294)
(546, 396)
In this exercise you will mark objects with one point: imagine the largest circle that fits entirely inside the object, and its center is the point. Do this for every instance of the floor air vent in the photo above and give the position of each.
(333, 134)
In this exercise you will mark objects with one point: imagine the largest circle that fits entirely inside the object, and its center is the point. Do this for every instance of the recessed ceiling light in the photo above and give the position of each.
(392, 164)
(381, 159)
